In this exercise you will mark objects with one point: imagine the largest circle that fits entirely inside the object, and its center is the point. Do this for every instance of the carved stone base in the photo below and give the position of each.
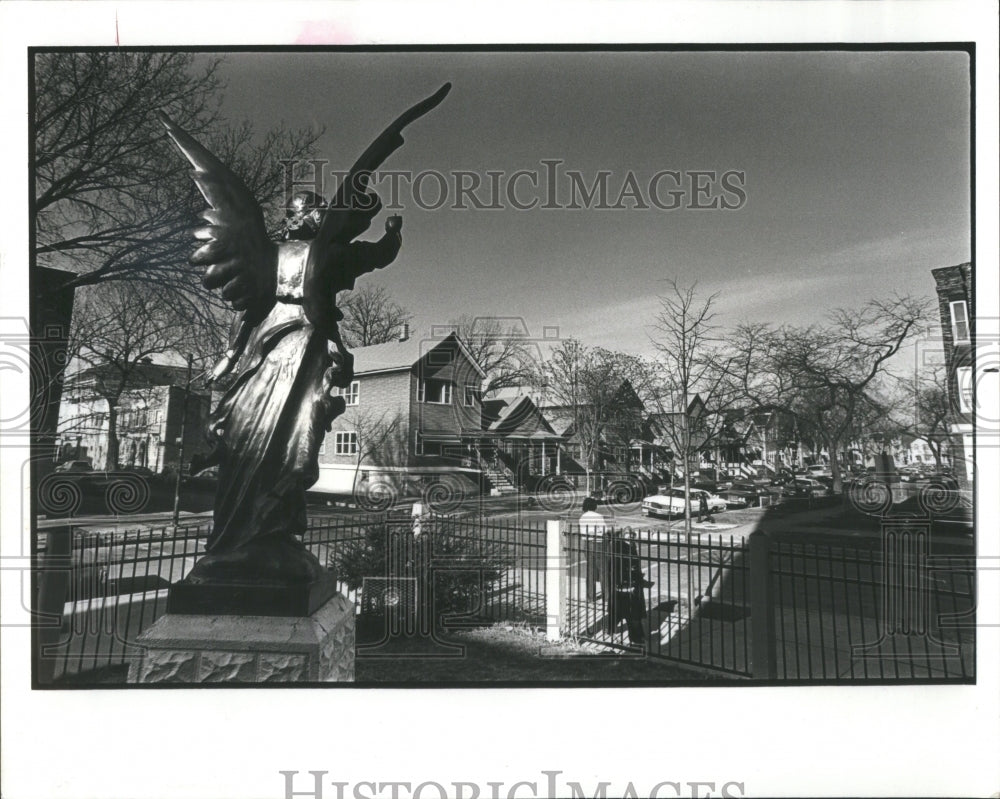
(189, 648)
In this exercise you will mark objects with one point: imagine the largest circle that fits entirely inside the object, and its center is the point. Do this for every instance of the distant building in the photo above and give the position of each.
(148, 417)
(623, 440)
(518, 444)
(956, 305)
(668, 429)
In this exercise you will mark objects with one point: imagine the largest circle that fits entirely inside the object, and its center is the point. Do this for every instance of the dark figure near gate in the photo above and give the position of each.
(626, 601)
(703, 511)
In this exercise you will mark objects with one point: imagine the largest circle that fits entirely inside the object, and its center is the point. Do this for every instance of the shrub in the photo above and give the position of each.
(452, 567)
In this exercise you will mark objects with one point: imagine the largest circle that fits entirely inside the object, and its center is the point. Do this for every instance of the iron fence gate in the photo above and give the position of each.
(666, 594)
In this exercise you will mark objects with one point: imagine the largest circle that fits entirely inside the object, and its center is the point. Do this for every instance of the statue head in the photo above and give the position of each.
(303, 215)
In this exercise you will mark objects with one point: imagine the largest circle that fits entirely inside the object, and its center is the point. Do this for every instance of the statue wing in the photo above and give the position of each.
(241, 261)
(351, 212)
(341, 221)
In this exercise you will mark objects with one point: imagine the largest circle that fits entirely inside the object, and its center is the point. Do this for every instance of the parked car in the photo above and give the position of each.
(206, 478)
(824, 480)
(913, 472)
(671, 503)
(804, 487)
(745, 493)
(781, 477)
(78, 467)
(711, 486)
(818, 469)
(716, 504)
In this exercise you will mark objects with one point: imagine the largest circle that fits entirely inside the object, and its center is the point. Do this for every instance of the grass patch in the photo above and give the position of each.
(504, 654)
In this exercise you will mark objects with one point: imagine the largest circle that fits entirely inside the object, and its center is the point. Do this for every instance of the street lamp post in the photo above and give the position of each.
(180, 453)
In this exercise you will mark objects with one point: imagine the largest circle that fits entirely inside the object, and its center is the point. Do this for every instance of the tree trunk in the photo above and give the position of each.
(687, 499)
(838, 483)
(936, 452)
(357, 468)
(111, 458)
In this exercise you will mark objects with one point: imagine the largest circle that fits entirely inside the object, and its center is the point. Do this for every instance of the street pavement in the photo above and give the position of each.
(828, 521)
(126, 520)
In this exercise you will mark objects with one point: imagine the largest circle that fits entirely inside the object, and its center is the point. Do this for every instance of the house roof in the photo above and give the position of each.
(519, 418)
(395, 356)
(508, 394)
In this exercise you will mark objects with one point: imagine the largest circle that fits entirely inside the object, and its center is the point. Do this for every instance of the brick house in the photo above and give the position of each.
(956, 305)
(413, 415)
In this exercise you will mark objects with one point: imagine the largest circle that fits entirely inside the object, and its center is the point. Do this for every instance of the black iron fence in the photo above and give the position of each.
(774, 607)
(885, 610)
(770, 606)
(662, 593)
(513, 587)
(100, 590)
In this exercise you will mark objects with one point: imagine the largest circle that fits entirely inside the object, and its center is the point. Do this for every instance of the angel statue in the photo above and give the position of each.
(285, 360)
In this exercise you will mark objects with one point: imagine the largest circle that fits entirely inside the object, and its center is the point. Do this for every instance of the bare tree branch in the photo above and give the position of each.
(500, 348)
(112, 199)
(370, 316)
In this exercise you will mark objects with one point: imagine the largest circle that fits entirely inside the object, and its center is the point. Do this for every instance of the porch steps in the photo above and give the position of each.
(499, 480)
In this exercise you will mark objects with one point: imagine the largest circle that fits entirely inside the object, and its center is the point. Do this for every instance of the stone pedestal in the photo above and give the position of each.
(190, 648)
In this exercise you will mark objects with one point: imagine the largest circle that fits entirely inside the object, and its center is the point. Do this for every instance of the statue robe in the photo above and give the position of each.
(269, 425)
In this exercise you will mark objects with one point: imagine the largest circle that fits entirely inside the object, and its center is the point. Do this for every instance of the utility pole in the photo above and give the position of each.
(180, 453)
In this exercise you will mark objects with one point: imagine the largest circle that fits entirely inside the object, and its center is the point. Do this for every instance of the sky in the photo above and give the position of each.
(856, 176)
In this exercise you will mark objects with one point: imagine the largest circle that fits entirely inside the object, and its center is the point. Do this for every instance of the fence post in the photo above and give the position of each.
(53, 593)
(764, 649)
(555, 580)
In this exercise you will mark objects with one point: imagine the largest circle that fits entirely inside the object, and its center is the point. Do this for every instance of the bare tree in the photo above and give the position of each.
(374, 432)
(112, 199)
(826, 375)
(926, 412)
(691, 366)
(589, 389)
(500, 347)
(116, 330)
(371, 316)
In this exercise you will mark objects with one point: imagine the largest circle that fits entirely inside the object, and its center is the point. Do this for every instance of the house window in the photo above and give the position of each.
(963, 380)
(346, 443)
(351, 393)
(960, 322)
(435, 392)
(418, 444)
(472, 396)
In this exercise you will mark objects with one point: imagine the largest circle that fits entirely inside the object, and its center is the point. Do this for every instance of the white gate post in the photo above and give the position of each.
(555, 580)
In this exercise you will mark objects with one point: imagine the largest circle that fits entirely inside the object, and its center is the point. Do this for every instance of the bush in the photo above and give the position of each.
(448, 562)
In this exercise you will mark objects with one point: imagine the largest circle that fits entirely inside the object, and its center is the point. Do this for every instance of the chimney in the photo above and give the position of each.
(404, 332)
